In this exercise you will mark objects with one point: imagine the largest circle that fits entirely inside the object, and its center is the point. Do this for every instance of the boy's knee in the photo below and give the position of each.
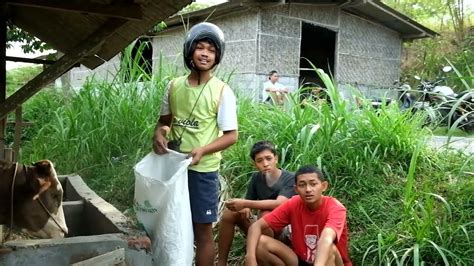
(235, 218)
(229, 216)
(264, 243)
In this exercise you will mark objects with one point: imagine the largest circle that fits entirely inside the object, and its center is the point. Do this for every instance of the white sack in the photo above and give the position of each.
(162, 206)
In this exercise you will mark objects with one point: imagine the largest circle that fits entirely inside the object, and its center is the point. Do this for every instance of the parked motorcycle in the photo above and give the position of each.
(463, 110)
(442, 104)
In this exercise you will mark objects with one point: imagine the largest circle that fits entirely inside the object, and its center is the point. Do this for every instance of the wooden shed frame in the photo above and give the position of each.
(88, 32)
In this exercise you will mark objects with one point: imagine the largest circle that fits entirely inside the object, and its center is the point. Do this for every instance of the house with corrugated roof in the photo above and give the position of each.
(359, 42)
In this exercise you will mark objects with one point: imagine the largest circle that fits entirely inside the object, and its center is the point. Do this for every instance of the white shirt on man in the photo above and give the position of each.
(270, 86)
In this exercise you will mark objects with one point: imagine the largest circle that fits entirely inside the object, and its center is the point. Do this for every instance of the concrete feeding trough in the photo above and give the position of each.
(98, 234)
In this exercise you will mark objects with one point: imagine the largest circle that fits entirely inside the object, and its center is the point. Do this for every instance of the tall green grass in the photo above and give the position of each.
(36, 109)
(407, 204)
(379, 166)
(103, 130)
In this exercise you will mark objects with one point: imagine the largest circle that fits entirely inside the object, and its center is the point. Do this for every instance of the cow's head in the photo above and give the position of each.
(38, 209)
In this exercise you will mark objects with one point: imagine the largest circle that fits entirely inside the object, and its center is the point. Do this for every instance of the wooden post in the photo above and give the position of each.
(74, 55)
(3, 72)
(8, 154)
(2, 136)
(18, 129)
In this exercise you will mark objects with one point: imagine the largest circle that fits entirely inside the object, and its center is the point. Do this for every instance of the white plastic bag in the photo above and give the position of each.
(162, 206)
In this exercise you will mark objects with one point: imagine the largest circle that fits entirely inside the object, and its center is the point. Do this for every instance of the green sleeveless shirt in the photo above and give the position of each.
(199, 126)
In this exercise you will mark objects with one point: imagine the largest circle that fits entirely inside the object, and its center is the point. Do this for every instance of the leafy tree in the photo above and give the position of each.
(29, 43)
(193, 7)
(421, 10)
(457, 13)
(187, 9)
(438, 14)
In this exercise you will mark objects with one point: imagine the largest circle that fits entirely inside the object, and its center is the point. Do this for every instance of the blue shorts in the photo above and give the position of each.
(204, 196)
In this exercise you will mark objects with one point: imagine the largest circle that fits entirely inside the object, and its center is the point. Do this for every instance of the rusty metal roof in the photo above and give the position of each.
(86, 31)
(373, 10)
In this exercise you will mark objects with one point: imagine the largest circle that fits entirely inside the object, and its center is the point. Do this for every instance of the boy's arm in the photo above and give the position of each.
(253, 236)
(325, 242)
(221, 143)
(332, 231)
(239, 204)
(162, 128)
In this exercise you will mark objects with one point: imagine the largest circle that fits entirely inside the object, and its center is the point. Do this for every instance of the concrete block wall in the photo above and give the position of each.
(169, 46)
(76, 77)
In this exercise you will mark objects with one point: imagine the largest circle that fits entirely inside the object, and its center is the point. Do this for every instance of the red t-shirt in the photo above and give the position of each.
(307, 225)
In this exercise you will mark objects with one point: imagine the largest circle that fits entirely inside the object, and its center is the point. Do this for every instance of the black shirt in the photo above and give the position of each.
(259, 190)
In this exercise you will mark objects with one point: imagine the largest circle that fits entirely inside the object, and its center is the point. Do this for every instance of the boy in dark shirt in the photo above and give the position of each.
(268, 188)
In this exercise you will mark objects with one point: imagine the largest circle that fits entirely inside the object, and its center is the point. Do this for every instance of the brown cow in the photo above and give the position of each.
(37, 199)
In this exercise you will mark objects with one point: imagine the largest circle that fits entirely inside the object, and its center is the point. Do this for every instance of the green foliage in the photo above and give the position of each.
(425, 11)
(19, 76)
(440, 15)
(406, 203)
(395, 188)
(192, 7)
(159, 27)
(133, 67)
(432, 230)
(426, 58)
(37, 109)
(30, 43)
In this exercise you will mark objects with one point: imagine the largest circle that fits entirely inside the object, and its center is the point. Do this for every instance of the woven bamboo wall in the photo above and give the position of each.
(323, 15)
(261, 40)
(240, 57)
(279, 42)
(369, 54)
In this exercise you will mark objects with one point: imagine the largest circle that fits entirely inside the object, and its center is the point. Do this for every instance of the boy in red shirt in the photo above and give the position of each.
(318, 224)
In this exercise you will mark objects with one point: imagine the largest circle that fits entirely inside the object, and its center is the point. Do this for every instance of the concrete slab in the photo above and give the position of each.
(60, 251)
(462, 144)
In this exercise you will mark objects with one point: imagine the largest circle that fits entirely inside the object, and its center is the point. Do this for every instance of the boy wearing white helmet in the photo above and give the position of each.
(198, 117)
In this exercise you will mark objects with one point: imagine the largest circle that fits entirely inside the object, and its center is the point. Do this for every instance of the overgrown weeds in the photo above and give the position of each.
(407, 204)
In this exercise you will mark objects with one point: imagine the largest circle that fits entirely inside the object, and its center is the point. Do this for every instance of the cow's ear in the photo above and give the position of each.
(43, 167)
(44, 185)
(43, 171)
